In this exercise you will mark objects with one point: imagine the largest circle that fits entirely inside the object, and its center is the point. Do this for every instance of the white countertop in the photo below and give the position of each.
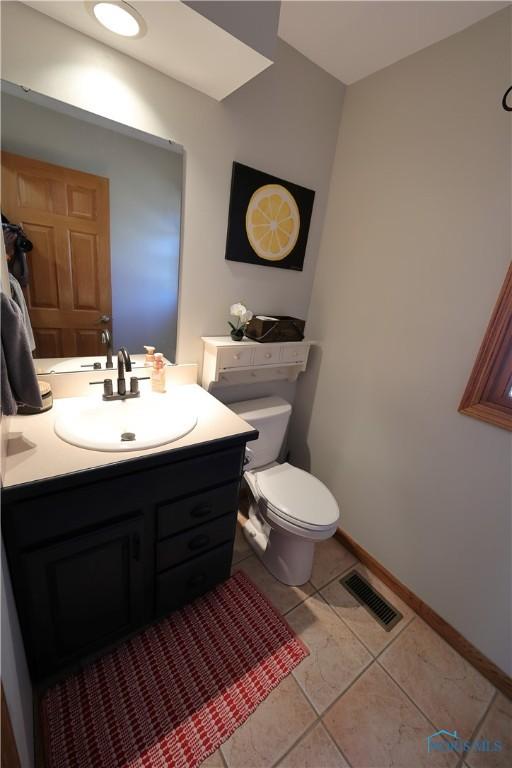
(34, 452)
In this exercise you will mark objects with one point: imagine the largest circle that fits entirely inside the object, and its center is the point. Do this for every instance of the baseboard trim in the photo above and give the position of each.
(485, 666)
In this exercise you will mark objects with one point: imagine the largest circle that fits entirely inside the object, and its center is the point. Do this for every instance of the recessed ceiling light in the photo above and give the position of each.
(118, 17)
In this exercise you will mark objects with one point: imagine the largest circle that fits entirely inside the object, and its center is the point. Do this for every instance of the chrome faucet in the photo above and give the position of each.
(106, 338)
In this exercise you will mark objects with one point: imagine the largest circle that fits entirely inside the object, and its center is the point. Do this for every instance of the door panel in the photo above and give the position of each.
(82, 202)
(84, 270)
(42, 291)
(66, 215)
(85, 342)
(48, 342)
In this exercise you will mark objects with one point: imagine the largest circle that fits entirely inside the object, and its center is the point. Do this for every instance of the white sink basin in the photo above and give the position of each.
(123, 425)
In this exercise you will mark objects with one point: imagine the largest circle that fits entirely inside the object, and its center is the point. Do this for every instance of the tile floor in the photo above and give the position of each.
(364, 697)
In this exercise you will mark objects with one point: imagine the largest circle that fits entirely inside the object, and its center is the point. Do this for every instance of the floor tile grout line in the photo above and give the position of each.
(354, 633)
(482, 720)
(305, 733)
(297, 741)
(318, 717)
(349, 686)
(340, 573)
(309, 727)
(361, 673)
(373, 654)
(317, 721)
(363, 669)
(398, 634)
(416, 705)
(407, 695)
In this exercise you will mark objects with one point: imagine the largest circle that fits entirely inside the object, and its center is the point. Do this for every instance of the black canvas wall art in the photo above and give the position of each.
(269, 219)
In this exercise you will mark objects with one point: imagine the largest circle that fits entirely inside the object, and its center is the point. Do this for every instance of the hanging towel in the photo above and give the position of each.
(19, 379)
(19, 298)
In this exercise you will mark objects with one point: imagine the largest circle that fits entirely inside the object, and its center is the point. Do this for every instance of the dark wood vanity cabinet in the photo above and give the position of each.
(99, 555)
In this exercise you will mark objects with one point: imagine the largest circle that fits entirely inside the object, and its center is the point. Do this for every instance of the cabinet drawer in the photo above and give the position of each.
(176, 549)
(185, 582)
(267, 354)
(31, 523)
(294, 354)
(235, 357)
(177, 516)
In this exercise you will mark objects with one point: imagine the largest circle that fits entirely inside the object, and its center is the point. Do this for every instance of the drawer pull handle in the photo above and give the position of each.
(199, 541)
(197, 580)
(237, 357)
(201, 511)
(267, 355)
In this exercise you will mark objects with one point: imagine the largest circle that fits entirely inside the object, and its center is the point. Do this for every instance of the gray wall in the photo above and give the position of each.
(254, 22)
(284, 121)
(145, 210)
(415, 247)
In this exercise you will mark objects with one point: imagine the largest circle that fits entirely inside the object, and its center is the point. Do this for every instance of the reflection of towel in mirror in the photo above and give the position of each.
(19, 379)
(19, 298)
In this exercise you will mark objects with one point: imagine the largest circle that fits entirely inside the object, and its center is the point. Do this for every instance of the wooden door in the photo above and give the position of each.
(85, 591)
(65, 213)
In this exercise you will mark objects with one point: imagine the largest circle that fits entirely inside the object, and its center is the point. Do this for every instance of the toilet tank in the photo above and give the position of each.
(270, 416)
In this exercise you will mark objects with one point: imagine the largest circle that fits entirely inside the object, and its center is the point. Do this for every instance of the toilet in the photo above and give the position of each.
(290, 509)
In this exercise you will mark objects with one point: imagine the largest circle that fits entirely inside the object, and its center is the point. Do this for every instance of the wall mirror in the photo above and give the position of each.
(100, 205)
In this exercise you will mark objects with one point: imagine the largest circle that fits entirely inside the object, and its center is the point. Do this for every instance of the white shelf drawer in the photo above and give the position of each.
(266, 354)
(235, 357)
(296, 353)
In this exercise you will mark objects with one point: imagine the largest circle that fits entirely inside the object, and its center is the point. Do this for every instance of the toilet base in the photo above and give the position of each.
(287, 557)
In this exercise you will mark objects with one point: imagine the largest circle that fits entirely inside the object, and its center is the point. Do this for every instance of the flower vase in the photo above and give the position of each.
(237, 334)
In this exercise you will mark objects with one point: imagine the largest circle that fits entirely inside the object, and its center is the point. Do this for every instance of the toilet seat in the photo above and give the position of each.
(297, 498)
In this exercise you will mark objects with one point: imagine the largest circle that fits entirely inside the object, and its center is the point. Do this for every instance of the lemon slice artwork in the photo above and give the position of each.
(272, 222)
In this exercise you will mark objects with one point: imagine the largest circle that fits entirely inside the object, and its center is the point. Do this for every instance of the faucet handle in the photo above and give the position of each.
(134, 385)
(108, 389)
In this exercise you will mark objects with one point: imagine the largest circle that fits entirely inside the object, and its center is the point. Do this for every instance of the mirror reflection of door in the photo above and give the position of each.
(66, 215)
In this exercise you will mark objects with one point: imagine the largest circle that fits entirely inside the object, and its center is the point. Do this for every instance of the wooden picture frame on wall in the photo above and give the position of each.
(488, 394)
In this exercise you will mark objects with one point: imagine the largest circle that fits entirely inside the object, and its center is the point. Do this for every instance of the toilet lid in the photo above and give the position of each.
(298, 496)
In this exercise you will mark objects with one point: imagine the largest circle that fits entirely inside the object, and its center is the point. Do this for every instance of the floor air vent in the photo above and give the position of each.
(375, 604)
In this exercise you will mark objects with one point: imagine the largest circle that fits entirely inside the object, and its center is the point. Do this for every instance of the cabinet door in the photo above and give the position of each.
(84, 592)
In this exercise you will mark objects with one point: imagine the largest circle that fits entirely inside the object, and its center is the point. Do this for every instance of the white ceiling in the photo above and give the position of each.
(179, 42)
(354, 39)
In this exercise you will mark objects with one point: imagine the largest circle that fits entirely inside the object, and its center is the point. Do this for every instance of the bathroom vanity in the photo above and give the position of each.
(101, 544)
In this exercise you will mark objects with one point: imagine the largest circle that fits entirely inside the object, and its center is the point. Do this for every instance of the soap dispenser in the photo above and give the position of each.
(158, 373)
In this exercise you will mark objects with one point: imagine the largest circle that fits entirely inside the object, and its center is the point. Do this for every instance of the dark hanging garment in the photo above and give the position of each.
(19, 379)
(17, 263)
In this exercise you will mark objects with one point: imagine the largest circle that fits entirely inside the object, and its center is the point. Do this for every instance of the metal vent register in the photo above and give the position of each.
(369, 598)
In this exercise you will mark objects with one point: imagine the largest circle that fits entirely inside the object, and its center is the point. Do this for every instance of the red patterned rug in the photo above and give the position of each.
(173, 694)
